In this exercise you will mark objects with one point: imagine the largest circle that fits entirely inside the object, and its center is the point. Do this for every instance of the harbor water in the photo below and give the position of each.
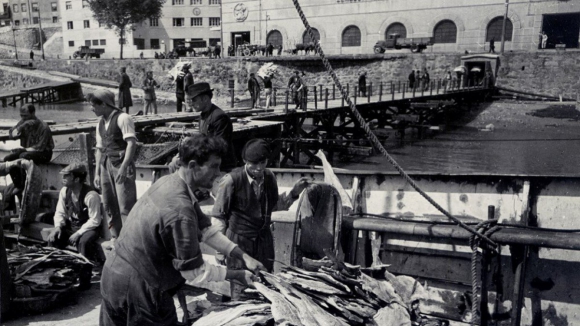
(504, 138)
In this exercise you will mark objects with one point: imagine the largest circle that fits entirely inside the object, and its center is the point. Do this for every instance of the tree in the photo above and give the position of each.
(123, 14)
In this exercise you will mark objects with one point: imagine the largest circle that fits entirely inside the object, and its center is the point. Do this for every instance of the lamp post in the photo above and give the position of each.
(40, 34)
(14, 37)
(507, 5)
(267, 18)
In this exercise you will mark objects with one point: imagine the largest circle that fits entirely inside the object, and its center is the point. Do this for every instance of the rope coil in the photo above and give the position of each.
(373, 138)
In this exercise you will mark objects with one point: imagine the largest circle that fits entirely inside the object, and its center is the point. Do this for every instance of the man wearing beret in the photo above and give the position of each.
(78, 212)
(115, 169)
(213, 121)
(160, 245)
(244, 202)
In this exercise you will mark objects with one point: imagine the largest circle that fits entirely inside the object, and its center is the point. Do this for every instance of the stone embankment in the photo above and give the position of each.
(554, 73)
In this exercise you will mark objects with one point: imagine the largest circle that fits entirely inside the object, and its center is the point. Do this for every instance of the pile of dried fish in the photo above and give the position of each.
(42, 276)
(327, 292)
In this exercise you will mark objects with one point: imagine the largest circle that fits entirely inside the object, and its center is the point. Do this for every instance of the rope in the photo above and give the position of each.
(487, 228)
(371, 136)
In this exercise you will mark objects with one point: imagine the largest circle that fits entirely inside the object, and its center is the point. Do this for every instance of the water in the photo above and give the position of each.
(520, 144)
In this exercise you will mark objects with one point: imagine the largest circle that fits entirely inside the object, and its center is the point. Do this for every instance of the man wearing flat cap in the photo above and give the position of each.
(78, 212)
(115, 170)
(244, 203)
(213, 121)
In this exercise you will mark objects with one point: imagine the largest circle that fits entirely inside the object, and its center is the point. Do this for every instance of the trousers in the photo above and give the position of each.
(118, 198)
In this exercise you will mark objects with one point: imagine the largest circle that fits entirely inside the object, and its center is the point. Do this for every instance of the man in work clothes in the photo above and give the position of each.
(183, 80)
(36, 144)
(77, 217)
(125, 99)
(295, 85)
(254, 89)
(244, 202)
(115, 169)
(213, 121)
(78, 212)
(362, 84)
(160, 246)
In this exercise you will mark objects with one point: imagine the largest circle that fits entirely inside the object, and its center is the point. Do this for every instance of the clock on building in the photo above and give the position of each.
(196, 11)
(241, 12)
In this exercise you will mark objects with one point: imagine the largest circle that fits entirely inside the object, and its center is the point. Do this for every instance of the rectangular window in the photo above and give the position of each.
(85, 4)
(103, 42)
(177, 2)
(178, 22)
(24, 7)
(86, 24)
(155, 43)
(16, 23)
(15, 8)
(35, 20)
(197, 22)
(214, 21)
(88, 43)
(68, 5)
(71, 43)
(69, 25)
(195, 2)
(53, 6)
(24, 21)
(95, 42)
(34, 6)
(54, 19)
(215, 2)
(153, 22)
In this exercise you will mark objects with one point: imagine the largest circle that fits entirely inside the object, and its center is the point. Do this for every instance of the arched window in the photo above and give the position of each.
(396, 28)
(351, 36)
(494, 29)
(445, 32)
(306, 37)
(274, 37)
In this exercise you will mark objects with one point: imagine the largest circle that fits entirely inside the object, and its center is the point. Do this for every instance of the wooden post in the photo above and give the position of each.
(392, 91)
(381, 92)
(348, 90)
(286, 107)
(414, 89)
(403, 90)
(320, 87)
(273, 98)
(315, 97)
(333, 91)
(438, 85)
(87, 154)
(422, 90)
(520, 270)
(431, 88)
(355, 94)
(232, 98)
(326, 98)
(399, 86)
(305, 99)
(485, 261)
(370, 91)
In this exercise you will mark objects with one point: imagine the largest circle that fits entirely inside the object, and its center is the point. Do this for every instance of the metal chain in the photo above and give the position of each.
(373, 138)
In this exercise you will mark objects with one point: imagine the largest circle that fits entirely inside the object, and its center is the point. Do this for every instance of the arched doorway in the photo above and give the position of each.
(351, 36)
(494, 29)
(396, 28)
(445, 32)
(306, 37)
(274, 37)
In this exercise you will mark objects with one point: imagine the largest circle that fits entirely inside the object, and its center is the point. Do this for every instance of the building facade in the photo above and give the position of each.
(30, 13)
(80, 28)
(195, 23)
(354, 26)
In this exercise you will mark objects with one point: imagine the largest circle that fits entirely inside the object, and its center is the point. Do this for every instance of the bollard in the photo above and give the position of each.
(326, 98)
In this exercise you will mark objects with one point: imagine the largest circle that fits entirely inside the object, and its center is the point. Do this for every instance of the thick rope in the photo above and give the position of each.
(487, 228)
(371, 136)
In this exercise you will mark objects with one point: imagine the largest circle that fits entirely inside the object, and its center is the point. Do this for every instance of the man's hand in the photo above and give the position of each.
(299, 186)
(74, 238)
(252, 264)
(220, 258)
(122, 176)
(54, 234)
(97, 181)
(243, 277)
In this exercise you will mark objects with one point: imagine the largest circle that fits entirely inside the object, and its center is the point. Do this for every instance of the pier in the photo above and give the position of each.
(53, 92)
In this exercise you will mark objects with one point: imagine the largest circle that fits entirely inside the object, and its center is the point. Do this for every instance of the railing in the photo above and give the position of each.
(318, 96)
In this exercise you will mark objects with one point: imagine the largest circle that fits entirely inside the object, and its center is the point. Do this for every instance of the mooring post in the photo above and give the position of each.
(326, 98)
(370, 92)
(315, 98)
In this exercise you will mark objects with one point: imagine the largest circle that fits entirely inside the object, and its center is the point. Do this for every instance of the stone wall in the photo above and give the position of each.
(554, 73)
(10, 82)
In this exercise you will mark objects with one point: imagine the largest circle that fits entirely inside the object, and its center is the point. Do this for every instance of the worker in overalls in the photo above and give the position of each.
(244, 203)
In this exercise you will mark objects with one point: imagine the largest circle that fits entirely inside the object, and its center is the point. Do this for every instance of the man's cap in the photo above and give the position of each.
(195, 90)
(186, 65)
(78, 168)
(105, 96)
(256, 150)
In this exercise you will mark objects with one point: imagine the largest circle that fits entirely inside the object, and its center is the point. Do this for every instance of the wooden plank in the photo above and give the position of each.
(520, 272)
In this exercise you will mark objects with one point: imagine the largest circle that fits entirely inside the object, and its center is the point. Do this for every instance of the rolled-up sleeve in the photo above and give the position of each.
(181, 239)
(223, 199)
(127, 125)
(93, 203)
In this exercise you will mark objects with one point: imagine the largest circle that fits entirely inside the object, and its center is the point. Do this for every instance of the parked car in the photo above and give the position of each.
(394, 41)
(87, 51)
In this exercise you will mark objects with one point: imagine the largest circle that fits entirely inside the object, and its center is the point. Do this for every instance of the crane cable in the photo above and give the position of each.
(373, 138)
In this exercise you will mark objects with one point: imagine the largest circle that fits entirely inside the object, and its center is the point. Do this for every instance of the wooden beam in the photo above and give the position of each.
(520, 271)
